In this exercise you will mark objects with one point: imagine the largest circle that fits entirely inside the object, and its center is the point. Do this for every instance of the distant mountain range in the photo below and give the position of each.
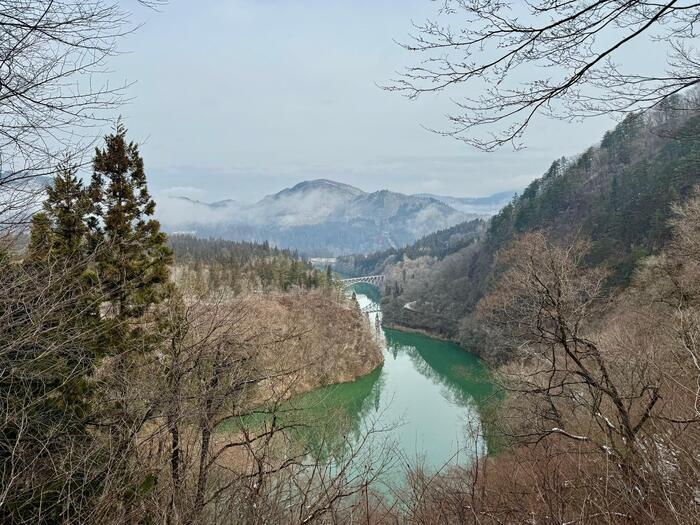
(326, 218)
(481, 206)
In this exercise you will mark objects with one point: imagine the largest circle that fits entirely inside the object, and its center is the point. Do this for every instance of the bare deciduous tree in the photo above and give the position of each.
(220, 436)
(608, 388)
(563, 59)
(52, 52)
(54, 92)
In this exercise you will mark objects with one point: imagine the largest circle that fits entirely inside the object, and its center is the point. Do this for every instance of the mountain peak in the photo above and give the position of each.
(317, 189)
(321, 216)
(325, 184)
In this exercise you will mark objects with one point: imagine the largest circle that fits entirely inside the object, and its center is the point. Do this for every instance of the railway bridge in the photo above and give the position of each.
(374, 280)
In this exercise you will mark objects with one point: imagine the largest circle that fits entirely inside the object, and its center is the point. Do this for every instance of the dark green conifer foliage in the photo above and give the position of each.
(68, 205)
(53, 346)
(60, 230)
(40, 238)
(134, 267)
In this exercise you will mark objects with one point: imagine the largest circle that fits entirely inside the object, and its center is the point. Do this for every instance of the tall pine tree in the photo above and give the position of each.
(132, 271)
(59, 232)
(134, 267)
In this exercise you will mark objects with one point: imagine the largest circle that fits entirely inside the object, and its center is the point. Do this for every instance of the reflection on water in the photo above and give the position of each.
(427, 400)
(429, 395)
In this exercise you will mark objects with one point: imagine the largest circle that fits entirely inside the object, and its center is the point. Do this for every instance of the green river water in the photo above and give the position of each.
(428, 400)
(425, 406)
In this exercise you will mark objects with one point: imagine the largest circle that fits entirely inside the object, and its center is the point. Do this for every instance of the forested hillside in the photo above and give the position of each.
(191, 249)
(240, 266)
(436, 245)
(617, 195)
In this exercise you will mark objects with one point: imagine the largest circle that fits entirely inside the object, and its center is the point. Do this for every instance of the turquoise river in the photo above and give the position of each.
(427, 403)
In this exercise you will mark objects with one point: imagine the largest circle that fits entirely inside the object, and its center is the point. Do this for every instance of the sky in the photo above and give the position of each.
(241, 98)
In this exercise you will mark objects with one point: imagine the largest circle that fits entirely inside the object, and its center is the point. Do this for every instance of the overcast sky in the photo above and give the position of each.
(241, 98)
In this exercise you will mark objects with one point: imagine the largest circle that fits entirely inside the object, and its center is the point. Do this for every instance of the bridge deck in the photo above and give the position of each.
(376, 280)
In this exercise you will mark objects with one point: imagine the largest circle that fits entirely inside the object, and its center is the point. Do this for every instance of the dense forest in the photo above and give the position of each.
(618, 194)
(190, 249)
(240, 265)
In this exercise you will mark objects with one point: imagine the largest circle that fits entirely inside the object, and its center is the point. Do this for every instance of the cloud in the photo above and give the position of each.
(191, 192)
(177, 211)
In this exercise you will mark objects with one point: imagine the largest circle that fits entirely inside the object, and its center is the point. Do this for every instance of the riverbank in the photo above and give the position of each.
(306, 336)
(427, 333)
(329, 339)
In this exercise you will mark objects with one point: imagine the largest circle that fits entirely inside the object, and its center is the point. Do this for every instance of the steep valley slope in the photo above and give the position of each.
(618, 195)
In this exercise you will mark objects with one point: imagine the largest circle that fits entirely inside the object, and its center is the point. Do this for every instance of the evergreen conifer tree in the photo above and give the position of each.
(56, 345)
(68, 205)
(40, 239)
(60, 230)
(134, 267)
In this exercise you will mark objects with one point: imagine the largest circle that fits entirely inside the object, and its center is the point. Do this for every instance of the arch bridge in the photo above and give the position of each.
(375, 280)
